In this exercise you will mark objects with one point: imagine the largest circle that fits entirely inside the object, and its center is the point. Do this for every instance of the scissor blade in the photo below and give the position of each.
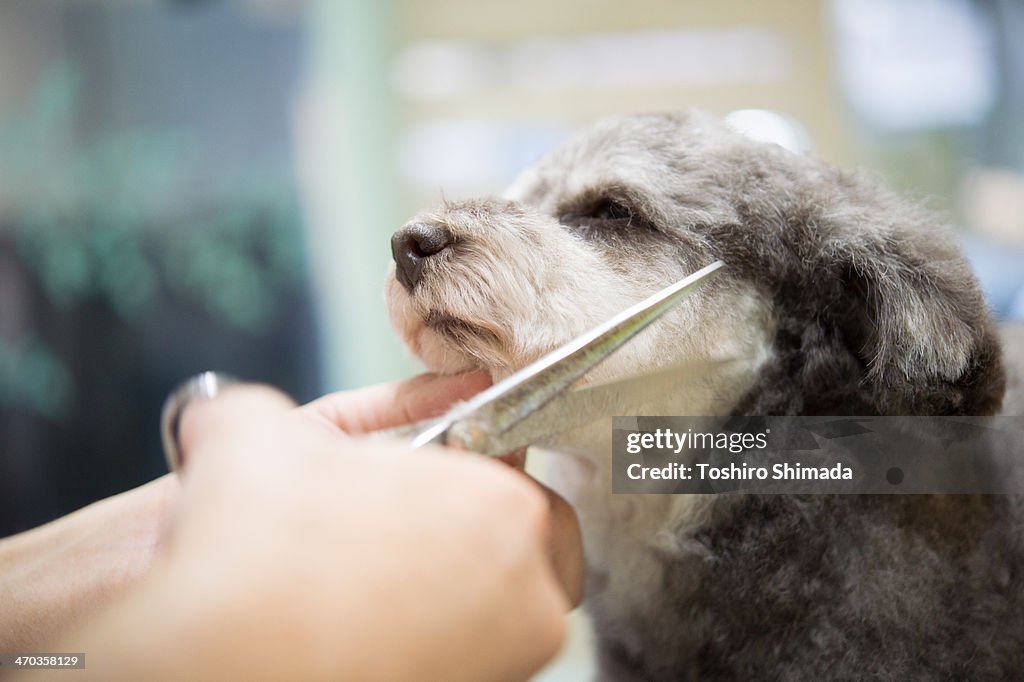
(637, 394)
(498, 409)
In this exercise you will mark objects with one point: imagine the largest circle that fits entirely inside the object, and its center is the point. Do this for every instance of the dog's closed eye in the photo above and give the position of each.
(603, 214)
(610, 209)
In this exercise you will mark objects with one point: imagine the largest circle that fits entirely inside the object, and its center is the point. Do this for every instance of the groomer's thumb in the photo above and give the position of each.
(232, 424)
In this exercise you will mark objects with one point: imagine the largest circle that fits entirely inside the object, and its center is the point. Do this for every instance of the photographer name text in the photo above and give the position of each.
(676, 442)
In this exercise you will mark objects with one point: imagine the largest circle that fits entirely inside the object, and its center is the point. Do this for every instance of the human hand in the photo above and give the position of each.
(295, 538)
(57, 576)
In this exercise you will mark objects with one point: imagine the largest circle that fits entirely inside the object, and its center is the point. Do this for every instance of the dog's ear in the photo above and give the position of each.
(912, 312)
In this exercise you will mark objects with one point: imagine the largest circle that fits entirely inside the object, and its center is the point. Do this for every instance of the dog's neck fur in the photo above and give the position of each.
(628, 535)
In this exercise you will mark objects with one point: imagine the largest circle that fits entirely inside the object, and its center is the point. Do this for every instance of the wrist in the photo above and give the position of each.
(55, 577)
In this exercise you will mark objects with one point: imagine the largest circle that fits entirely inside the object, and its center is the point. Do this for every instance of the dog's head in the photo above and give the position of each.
(837, 298)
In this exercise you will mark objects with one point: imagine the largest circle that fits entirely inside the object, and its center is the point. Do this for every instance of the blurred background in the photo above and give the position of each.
(193, 184)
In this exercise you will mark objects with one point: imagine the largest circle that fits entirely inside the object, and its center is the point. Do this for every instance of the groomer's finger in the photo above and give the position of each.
(240, 412)
(565, 544)
(385, 406)
(566, 547)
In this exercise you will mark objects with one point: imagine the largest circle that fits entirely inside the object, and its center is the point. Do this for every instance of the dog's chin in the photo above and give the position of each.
(446, 342)
(440, 355)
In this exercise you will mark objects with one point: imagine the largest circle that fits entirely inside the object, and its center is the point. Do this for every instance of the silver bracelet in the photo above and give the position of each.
(203, 386)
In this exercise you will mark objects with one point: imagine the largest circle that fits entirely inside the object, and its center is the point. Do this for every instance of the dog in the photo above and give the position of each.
(838, 298)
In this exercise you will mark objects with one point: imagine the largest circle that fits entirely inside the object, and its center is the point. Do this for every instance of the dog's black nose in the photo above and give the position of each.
(413, 245)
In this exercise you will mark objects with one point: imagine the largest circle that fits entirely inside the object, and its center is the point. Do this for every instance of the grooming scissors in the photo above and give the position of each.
(510, 414)
(527, 406)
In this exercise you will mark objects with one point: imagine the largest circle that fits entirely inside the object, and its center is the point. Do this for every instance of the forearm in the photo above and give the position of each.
(58, 575)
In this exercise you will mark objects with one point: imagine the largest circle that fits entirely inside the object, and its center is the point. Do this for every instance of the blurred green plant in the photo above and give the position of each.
(105, 219)
(102, 220)
(34, 378)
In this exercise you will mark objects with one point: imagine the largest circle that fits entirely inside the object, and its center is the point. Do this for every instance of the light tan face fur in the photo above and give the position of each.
(516, 284)
(520, 277)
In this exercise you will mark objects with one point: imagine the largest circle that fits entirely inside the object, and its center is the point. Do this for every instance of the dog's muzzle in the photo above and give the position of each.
(413, 245)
